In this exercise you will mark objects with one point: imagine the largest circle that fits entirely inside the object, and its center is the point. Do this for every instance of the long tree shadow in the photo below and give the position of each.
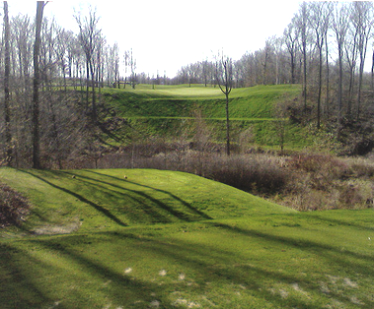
(252, 277)
(181, 215)
(342, 222)
(308, 245)
(209, 264)
(184, 203)
(150, 211)
(122, 288)
(104, 211)
(23, 291)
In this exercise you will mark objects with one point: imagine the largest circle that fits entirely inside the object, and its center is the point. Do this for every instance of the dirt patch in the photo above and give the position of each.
(13, 207)
(58, 229)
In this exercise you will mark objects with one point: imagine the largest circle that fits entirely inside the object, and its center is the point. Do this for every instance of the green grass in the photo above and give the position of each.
(169, 101)
(104, 199)
(161, 239)
(170, 111)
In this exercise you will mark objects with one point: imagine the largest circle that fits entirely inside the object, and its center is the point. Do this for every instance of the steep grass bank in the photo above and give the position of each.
(171, 111)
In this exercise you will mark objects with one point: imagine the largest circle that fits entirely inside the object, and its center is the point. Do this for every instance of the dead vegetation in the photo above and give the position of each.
(13, 207)
(303, 181)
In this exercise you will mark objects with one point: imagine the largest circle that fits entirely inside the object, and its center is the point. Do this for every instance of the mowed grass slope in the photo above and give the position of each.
(170, 111)
(181, 102)
(108, 199)
(161, 239)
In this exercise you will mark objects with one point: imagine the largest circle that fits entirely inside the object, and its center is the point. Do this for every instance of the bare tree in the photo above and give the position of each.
(362, 21)
(351, 59)
(126, 61)
(291, 34)
(329, 9)
(35, 119)
(205, 71)
(8, 134)
(88, 35)
(133, 69)
(61, 51)
(303, 22)
(224, 77)
(319, 22)
(114, 64)
(340, 27)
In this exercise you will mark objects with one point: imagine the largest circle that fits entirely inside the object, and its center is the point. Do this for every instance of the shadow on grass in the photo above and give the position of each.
(230, 272)
(122, 287)
(105, 212)
(146, 207)
(181, 215)
(206, 266)
(335, 254)
(342, 222)
(17, 289)
(184, 203)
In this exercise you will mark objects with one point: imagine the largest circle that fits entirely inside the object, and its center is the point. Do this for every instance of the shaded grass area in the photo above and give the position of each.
(104, 199)
(220, 248)
(277, 261)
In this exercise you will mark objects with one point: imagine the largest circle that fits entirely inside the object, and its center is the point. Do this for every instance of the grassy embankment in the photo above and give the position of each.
(170, 111)
(162, 239)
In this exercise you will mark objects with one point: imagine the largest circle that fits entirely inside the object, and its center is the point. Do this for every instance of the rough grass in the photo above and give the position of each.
(269, 257)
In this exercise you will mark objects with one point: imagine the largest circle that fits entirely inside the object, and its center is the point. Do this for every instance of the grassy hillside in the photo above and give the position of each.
(170, 111)
(245, 103)
(160, 239)
(104, 199)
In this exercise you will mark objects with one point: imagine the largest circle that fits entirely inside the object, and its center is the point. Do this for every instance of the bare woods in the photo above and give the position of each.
(49, 97)
(52, 78)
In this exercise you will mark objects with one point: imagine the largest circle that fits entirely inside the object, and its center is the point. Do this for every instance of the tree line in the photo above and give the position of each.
(51, 87)
(324, 48)
(52, 77)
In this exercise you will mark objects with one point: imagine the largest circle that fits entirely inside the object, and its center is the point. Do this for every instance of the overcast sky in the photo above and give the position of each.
(167, 34)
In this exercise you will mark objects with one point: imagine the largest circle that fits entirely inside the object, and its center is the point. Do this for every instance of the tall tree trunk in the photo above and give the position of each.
(340, 83)
(8, 134)
(304, 69)
(36, 82)
(372, 73)
(327, 102)
(87, 82)
(94, 112)
(227, 123)
(224, 78)
(319, 87)
(359, 91)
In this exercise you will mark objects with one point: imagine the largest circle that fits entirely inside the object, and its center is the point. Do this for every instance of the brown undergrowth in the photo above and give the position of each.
(303, 181)
(321, 181)
(13, 206)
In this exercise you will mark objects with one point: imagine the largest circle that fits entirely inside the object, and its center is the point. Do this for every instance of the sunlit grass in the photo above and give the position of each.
(226, 249)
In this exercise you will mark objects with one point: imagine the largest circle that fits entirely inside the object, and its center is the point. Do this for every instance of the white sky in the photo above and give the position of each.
(168, 34)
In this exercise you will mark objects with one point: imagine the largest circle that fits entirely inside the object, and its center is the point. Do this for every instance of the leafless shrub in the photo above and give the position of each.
(324, 165)
(13, 207)
(249, 173)
(362, 167)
